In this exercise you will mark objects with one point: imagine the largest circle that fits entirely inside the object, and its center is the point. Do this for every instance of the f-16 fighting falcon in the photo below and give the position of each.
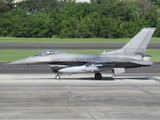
(129, 56)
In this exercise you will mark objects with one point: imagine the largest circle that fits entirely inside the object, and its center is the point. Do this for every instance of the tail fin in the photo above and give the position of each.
(138, 44)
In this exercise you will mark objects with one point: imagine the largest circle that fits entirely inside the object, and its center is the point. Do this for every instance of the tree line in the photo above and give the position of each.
(68, 19)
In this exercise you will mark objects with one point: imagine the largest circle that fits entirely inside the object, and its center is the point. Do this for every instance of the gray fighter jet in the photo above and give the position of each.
(130, 56)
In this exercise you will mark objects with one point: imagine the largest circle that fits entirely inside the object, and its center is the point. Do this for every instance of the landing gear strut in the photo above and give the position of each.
(57, 76)
(98, 76)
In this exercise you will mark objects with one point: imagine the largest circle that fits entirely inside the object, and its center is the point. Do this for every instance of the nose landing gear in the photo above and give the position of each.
(57, 76)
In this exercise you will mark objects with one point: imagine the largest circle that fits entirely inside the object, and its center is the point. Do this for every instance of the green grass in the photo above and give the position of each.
(68, 40)
(9, 55)
(155, 54)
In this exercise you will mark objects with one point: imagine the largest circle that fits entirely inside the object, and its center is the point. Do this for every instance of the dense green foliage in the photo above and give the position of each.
(68, 19)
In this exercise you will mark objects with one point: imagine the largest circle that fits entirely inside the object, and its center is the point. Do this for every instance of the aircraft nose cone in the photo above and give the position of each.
(18, 62)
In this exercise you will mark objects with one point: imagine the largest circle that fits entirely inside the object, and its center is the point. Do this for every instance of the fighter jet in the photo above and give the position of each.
(130, 55)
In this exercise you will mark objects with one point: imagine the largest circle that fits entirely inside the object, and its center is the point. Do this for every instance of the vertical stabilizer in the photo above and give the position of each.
(139, 42)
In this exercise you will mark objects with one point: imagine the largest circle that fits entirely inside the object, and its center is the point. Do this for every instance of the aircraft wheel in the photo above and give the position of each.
(98, 76)
(57, 77)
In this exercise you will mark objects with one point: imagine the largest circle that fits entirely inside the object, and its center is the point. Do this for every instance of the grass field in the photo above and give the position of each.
(9, 55)
(68, 40)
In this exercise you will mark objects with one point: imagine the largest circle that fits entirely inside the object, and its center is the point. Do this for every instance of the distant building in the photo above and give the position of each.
(18, 1)
(88, 1)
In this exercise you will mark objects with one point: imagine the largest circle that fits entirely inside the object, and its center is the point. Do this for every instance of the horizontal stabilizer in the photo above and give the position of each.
(142, 62)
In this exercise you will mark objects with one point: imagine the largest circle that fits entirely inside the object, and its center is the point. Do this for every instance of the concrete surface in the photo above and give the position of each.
(40, 96)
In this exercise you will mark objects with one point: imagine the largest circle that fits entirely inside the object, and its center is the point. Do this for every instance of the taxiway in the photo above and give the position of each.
(40, 96)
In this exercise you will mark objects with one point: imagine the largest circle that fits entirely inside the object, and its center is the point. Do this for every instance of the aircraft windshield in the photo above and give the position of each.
(47, 52)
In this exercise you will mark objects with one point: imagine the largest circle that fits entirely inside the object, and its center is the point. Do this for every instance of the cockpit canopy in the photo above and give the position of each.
(48, 52)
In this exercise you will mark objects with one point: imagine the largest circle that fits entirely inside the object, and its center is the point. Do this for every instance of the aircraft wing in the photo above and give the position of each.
(139, 62)
(98, 61)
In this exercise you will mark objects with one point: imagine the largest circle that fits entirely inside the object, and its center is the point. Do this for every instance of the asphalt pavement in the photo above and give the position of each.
(68, 46)
(32, 69)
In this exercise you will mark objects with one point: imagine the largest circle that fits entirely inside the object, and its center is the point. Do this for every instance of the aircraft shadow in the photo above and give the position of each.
(132, 78)
(90, 78)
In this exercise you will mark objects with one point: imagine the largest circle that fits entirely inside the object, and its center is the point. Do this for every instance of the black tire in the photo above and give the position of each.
(98, 76)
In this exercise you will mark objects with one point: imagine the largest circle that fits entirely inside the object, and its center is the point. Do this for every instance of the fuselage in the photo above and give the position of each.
(71, 59)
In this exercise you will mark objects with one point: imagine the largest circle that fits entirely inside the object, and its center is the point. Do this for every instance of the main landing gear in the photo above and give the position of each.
(98, 76)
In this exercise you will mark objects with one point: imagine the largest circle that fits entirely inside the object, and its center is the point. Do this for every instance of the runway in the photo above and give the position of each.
(39, 96)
